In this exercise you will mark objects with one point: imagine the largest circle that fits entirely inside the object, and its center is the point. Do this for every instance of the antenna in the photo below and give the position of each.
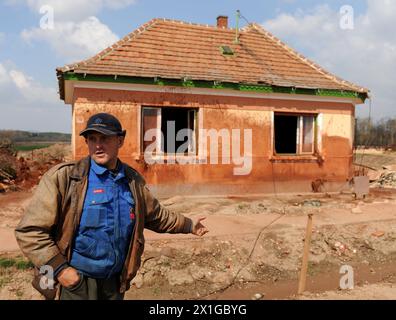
(238, 15)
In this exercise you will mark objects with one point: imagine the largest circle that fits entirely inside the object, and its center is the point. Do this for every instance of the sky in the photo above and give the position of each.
(357, 43)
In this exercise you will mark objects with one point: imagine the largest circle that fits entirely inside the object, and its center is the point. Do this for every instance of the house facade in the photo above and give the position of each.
(214, 110)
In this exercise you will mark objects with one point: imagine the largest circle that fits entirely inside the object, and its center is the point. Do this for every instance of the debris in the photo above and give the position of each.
(378, 234)
(387, 179)
(312, 203)
(257, 296)
(368, 245)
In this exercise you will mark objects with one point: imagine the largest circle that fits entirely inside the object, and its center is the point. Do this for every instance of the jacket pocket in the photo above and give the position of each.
(85, 245)
(95, 214)
(95, 217)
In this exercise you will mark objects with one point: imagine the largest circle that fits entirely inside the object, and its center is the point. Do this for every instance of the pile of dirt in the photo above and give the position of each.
(24, 170)
(30, 172)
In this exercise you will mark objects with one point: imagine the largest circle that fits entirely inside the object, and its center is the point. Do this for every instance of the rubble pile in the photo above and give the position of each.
(386, 180)
(22, 172)
(8, 165)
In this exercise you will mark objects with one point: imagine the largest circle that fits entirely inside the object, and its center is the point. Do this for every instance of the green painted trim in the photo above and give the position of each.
(215, 85)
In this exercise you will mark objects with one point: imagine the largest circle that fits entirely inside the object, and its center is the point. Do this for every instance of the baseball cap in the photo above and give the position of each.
(104, 123)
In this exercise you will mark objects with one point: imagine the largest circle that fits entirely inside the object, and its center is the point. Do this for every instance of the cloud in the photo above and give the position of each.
(365, 55)
(74, 41)
(73, 10)
(28, 105)
(17, 84)
(3, 75)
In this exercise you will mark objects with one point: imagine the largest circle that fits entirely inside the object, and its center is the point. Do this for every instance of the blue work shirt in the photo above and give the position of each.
(106, 225)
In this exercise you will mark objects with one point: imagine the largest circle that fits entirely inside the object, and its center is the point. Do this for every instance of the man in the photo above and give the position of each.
(85, 222)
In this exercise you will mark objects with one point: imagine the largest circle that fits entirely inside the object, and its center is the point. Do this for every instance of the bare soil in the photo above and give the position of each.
(254, 247)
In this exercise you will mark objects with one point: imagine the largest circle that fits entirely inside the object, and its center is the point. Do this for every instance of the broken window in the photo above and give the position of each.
(294, 134)
(174, 129)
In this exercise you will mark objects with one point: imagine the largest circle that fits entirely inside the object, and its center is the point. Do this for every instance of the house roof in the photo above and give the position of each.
(172, 49)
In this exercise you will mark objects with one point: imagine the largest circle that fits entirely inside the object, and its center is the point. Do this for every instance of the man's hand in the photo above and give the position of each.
(68, 277)
(198, 228)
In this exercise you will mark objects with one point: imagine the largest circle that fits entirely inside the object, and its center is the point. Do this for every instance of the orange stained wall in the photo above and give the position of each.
(336, 126)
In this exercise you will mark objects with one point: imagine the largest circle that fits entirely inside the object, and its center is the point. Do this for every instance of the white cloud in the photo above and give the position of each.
(28, 105)
(73, 10)
(19, 85)
(19, 79)
(365, 55)
(3, 75)
(74, 41)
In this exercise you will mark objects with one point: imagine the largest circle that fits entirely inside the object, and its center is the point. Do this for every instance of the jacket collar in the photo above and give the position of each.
(99, 170)
(81, 169)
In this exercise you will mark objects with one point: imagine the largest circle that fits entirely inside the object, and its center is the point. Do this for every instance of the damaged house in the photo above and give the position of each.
(215, 110)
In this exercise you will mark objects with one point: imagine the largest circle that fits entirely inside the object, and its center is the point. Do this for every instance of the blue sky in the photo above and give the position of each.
(29, 55)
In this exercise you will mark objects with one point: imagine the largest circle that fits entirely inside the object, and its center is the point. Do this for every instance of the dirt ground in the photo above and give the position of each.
(253, 250)
(254, 247)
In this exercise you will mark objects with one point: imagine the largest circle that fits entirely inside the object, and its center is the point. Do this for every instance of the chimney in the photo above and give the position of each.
(222, 22)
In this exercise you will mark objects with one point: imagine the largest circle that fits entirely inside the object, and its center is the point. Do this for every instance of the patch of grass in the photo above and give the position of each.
(24, 265)
(6, 263)
(31, 147)
(157, 291)
(20, 264)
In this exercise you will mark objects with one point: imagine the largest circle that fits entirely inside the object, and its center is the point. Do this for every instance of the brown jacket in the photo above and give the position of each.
(47, 230)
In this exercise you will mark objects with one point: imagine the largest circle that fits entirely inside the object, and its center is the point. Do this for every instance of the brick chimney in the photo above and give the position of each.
(222, 22)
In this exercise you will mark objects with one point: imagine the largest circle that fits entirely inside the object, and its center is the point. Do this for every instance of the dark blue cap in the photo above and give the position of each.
(104, 123)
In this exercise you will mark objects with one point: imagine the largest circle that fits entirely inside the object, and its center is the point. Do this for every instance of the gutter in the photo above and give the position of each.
(188, 83)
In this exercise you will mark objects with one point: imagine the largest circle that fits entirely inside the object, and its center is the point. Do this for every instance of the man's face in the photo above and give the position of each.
(104, 149)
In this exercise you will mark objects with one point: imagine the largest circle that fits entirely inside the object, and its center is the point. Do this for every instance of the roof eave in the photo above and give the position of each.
(357, 96)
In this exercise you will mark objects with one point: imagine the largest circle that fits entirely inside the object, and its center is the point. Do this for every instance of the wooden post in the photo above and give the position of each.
(304, 265)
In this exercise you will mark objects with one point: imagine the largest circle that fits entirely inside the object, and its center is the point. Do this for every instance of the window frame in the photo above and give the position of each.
(299, 135)
(193, 150)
